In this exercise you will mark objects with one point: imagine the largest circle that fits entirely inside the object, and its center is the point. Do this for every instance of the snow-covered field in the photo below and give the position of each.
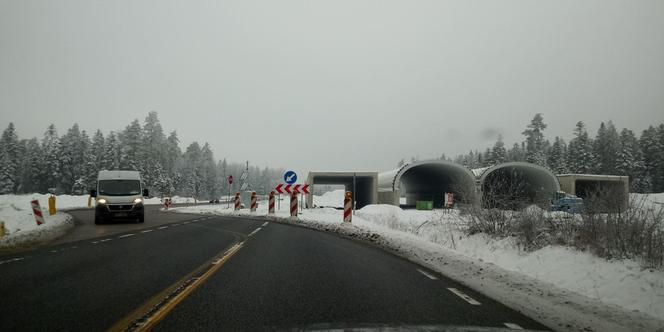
(20, 225)
(615, 294)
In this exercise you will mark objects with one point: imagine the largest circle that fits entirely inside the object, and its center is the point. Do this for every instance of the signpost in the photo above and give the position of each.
(290, 177)
(230, 183)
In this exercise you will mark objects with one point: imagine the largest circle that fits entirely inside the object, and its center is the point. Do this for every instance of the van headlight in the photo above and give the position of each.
(101, 201)
(138, 201)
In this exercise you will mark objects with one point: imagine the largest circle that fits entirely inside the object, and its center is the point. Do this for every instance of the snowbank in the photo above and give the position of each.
(535, 282)
(333, 198)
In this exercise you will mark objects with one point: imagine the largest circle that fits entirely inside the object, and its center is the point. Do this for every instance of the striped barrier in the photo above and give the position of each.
(237, 202)
(254, 202)
(270, 209)
(293, 205)
(2, 229)
(348, 207)
(36, 210)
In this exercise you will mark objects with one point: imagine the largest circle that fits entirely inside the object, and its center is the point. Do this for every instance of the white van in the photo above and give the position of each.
(119, 194)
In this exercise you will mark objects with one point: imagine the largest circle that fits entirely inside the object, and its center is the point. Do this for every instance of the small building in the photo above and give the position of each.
(611, 190)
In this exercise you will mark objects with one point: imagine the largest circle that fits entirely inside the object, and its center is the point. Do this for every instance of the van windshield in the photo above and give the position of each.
(119, 187)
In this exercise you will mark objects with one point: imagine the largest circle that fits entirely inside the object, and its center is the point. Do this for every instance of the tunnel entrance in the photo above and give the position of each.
(364, 183)
(601, 196)
(514, 186)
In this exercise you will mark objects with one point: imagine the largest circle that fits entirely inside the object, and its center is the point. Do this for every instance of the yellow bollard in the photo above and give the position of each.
(89, 201)
(2, 229)
(51, 205)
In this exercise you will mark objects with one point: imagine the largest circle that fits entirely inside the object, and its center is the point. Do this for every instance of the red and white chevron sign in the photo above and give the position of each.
(292, 188)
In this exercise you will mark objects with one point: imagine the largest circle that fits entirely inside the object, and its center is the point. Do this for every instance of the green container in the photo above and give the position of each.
(424, 205)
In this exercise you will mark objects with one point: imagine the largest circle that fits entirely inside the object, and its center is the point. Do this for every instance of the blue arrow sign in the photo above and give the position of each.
(290, 177)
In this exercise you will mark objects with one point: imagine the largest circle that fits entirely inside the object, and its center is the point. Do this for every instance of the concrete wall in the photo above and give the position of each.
(365, 184)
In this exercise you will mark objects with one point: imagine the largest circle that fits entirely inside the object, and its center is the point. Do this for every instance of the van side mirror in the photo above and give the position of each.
(145, 193)
(93, 193)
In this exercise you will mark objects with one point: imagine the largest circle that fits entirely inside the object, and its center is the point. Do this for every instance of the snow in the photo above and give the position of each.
(333, 198)
(20, 225)
(564, 288)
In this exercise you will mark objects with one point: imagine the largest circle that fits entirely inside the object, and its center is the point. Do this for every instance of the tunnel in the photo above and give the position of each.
(427, 181)
(515, 185)
(361, 184)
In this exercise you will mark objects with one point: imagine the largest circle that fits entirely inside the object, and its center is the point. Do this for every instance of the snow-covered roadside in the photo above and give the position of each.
(21, 228)
(563, 288)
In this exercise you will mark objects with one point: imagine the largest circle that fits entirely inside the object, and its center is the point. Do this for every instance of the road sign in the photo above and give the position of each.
(244, 175)
(244, 186)
(292, 189)
(230, 179)
(290, 177)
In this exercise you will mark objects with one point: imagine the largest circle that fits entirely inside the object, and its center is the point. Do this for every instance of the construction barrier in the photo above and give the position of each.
(167, 203)
(348, 207)
(2, 229)
(293, 205)
(254, 202)
(238, 205)
(36, 210)
(270, 205)
(449, 200)
(51, 205)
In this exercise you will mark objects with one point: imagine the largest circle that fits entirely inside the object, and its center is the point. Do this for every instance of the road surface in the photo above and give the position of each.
(180, 272)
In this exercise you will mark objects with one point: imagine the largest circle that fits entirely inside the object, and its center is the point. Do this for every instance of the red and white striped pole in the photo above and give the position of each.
(237, 201)
(348, 207)
(293, 205)
(254, 202)
(36, 210)
(270, 209)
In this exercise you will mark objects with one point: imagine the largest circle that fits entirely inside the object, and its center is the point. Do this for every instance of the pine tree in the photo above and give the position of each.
(9, 160)
(580, 157)
(652, 146)
(498, 153)
(630, 161)
(131, 144)
(516, 153)
(112, 153)
(606, 148)
(557, 156)
(51, 173)
(153, 155)
(31, 166)
(208, 173)
(73, 159)
(535, 146)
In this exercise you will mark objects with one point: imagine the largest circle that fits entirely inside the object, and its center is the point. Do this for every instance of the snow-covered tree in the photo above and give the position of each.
(131, 144)
(606, 147)
(9, 160)
(557, 156)
(498, 153)
(630, 161)
(652, 146)
(580, 158)
(51, 173)
(535, 145)
(73, 159)
(31, 166)
(112, 153)
(516, 153)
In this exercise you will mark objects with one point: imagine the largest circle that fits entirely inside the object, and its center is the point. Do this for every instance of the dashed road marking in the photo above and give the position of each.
(104, 240)
(173, 225)
(11, 260)
(265, 224)
(513, 326)
(95, 242)
(147, 231)
(162, 227)
(126, 235)
(186, 222)
(464, 296)
(255, 231)
(428, 275)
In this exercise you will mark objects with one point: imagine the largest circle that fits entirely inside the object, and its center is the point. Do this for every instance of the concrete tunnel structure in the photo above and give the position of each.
(427, 181)
(515, 185)
(365, 184)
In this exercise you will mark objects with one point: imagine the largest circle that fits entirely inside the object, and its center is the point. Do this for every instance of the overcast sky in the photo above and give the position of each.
(332, 85)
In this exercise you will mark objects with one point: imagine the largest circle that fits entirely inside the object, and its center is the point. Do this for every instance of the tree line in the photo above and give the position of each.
(610, 152)
(68, 164)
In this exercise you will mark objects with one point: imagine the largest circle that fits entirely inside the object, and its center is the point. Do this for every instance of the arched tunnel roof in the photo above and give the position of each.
(513, 184)
(542, 173)
(455, 177)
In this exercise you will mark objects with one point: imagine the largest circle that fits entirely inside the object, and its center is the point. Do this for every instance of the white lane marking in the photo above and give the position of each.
(11, 260)
(162, 227)
(173, 225)
(255, 231)
(513, 326)
(74, 247)
(104, 240)
(428, 275)
(146, 231)
(126, 235)
(186, 222)
(265, 224)
(464, 296)
(95, 242)
(54, 251)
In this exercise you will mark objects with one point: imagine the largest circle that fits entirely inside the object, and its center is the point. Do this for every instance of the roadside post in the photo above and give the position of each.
(293, 205)
(230, 183)
(254, 202)
(237, 201)
(89, 201)
(270, 209)
(348, 207)
(36, 210)
(51, 205)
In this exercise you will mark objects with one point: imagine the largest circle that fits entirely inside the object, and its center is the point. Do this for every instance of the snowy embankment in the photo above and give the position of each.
(21, 227)
(564, 288)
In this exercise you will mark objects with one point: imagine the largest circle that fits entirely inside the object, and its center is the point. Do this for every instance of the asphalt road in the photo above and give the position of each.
(186, 272)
